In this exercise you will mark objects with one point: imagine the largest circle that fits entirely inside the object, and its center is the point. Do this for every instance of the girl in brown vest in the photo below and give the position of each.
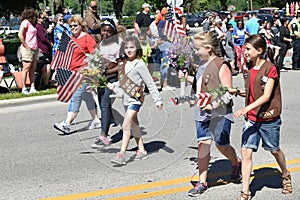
(213, 122)
(262, 113)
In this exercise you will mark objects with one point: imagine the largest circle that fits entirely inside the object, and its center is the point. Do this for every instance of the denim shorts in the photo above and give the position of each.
(135, 107)
(268, 132)
(217, 129)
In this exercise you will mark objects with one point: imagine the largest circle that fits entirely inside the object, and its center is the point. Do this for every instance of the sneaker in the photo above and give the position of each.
(95, 123)
(236, 175)
(63, 127)
(118, 159)
(283, 70)
(100, 143)
(141, 155)
(168, 88)
(33, 90)
(198, 189)
(25, 91)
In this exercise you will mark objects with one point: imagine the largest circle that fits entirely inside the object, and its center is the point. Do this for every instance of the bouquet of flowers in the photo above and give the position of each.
(180, 56)
(94, 73)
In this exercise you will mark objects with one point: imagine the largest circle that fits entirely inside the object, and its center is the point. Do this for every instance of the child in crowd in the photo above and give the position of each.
(229, 53)
(213, 122)
(145, 47)
(164, 46)
(262, 113)
(134, 71)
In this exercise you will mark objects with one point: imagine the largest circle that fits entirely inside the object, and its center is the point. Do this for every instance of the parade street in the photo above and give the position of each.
(38, 163)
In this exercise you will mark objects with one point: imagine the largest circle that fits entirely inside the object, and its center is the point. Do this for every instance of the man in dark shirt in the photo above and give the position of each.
(143, 20)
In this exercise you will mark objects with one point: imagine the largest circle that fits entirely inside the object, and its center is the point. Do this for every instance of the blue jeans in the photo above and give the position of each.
(106, 107)
(79, 95)
(268, 132)
(216, 128)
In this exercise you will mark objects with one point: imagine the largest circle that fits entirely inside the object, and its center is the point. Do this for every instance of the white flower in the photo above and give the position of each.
(264, 79)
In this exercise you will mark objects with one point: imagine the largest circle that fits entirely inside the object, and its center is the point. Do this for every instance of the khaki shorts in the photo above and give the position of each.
(28, 55)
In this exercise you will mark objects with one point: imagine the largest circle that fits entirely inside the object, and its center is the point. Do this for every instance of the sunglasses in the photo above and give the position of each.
(61, 20)
(73, 25)
(94, 7)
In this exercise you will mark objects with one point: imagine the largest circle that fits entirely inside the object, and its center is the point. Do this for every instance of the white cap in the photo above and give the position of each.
(218, 20)
(146, 5)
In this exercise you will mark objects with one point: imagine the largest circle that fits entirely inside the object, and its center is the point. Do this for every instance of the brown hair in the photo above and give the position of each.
(29, 14)
(139, 51)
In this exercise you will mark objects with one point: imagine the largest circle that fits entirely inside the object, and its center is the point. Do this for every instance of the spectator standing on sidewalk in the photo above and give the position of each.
(252, 25)
(213, 122)
(29, 48)
(44, 45)
(93, 21)
(143, 20)
(85, 45)
(262, 113)
(296, 44)
(284, 42)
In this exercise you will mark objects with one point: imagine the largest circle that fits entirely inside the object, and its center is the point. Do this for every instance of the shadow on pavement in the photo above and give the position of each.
(265, 177)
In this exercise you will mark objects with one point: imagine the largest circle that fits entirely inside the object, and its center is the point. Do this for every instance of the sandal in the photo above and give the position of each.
(287, 184)
(244, 196)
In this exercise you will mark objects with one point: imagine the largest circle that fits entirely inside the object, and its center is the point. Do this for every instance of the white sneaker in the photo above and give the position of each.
(63, 127)
(168, 88)
(95, 123)
(33, 90)
(25, 91)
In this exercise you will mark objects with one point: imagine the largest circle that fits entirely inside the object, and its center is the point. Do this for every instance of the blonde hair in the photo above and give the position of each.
(78, 19)
(208, 38)
(57, 16)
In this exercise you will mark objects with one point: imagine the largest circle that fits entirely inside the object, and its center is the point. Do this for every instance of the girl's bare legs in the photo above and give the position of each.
(246, 168)
(203, 159)
(280, 158)
(128, 122)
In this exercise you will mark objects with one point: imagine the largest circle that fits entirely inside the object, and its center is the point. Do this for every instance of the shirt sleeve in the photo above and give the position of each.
(91, 43)
(273, 73)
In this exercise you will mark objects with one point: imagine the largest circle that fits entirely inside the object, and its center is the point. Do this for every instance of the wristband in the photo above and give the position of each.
(237, 91)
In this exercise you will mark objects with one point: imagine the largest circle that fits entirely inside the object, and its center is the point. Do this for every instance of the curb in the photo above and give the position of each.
(27, 100)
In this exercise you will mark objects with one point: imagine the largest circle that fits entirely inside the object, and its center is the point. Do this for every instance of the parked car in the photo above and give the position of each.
(7, 30)
(267, 13)
(194, 20)
(242, 15)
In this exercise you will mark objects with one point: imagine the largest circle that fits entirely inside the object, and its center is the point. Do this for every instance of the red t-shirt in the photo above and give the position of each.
(87, 45)
(253, 72)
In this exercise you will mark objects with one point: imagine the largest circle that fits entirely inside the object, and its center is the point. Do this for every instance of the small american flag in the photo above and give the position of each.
(201, 99)
(173, 29)
(67, 83)
(64, 53)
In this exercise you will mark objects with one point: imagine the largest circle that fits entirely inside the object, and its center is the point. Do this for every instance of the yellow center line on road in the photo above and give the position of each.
(170, 191)
(150, 185)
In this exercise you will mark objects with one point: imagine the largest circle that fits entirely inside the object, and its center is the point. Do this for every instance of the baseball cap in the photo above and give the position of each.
(146, 5)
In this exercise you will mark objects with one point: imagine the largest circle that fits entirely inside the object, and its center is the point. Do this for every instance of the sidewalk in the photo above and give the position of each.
(27, 100)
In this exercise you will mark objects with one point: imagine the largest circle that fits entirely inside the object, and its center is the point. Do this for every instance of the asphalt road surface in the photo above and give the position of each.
(38, 163)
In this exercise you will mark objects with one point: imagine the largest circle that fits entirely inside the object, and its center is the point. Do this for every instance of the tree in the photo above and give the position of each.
(16, 7)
